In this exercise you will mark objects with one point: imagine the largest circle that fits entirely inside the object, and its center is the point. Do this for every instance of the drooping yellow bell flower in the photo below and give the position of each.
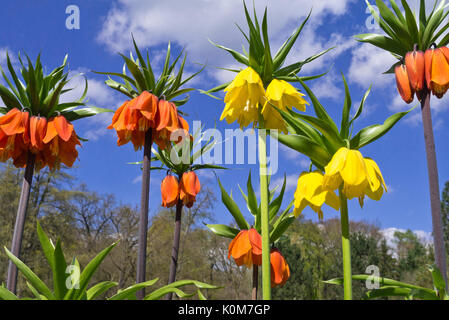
(284, 96)
(377, 185)
(358, 175)
(243, 97)
(310, 192)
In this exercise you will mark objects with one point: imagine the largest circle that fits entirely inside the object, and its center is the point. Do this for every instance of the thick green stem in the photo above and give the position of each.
(346, 247)
(266, 266)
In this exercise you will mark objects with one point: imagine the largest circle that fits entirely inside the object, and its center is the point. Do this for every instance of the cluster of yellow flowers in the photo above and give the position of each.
(349, 170)
(246, 94)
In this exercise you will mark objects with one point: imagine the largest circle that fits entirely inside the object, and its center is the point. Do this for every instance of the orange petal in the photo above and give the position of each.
(51, 132)
(428, 56)
(11, 123)
(403, 84)
(439, 73)
(169, 191)
(117, 115)
(147, 104)
(240, 249)
(414, 62)
(280, 271)
(63, 128)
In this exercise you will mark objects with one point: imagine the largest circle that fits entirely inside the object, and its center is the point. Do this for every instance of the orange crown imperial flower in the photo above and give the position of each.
(437, 70)
(189, 187)
(169, 191)
(52, 142)
(246, 248)
(280, 271)
(135, 117)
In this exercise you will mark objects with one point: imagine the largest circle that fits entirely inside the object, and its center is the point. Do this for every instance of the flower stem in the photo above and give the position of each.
(175, 248)
(438, 235)
(20, 221)
(346, 247)
(143, 220)
(255, 282)
(265, 228)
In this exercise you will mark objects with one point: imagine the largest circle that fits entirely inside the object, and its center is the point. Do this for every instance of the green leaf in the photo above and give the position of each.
(9, 99)
(84, 113)
(30, 276)
(59, 272)
(306, 146)
(275, 205)
(283, 52)
(131, 291)
(99, 289)
(157, 294)
(360, 109)
(326, 130)
(320, 111)
(382, 281)
(87, 273)
(411, 22)
(280, 228)
(236, 55)
(223, 230)
(47, 246)
(438, 280)
(137, 74)
(394, 23)
(388, 292)
(374, 132)
(294, 68)
(5, 294)
(382, 42)
(344, 131)
(252, 200)
(233, 208)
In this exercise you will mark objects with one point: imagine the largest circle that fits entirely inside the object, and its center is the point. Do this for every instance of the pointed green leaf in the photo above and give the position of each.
(223, 230)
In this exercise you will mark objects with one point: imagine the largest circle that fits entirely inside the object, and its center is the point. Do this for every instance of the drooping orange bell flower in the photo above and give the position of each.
(414, 62)
(189, 187)
(403, 83)
(246, 248)
(437, 70)
(280, 271)
(168, 121)
(12, 127)
(53, 142)
(169, 191)
(60, 143)
(134, 118)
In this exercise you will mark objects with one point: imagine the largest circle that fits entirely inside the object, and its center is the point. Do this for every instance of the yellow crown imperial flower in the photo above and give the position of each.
(243, 97)
(284, 96)
(310, 192)
(359, 176)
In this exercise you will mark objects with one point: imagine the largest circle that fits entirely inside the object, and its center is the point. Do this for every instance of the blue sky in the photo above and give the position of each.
(106, 27)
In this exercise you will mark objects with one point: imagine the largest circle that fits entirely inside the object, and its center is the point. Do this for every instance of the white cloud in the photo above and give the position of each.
(195, 21)
(368, 64)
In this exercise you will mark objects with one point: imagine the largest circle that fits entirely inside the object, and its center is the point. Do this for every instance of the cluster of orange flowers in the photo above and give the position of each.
(246, 249)
(185, 190)
(135, 117)
(429, 70)
(52, 141)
